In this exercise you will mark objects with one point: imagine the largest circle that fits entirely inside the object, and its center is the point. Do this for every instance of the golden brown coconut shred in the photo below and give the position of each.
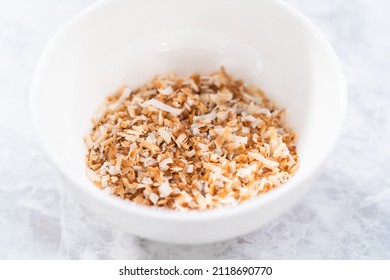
(186, 143)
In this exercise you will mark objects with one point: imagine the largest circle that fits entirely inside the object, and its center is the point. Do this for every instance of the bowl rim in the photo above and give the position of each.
(204, 215)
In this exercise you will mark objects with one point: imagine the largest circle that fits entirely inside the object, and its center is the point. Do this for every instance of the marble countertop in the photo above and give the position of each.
(345, 215)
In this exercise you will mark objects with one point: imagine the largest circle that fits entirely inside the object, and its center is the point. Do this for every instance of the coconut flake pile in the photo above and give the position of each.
(190, 143)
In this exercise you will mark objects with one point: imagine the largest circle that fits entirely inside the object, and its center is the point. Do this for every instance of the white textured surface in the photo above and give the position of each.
(346, 214)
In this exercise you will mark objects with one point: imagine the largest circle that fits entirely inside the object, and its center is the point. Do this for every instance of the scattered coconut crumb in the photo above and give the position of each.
(190, 143)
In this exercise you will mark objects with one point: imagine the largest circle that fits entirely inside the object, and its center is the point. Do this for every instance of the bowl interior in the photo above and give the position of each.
(128, 42)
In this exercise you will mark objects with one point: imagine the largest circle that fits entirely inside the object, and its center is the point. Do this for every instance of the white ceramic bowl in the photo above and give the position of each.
(114, 42)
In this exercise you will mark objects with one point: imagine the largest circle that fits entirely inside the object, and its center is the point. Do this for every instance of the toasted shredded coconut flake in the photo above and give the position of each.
(203, 147)
(245, 130)
(223, 115)
(102, 136)
(166, 91)
(149, 161)
(153, 198)
(107, 190)
(263, 160)
(164, 164)
(179, 140)
(99, 113)
(148, 145)
(249, 97)
(265, 112)
(147, 180)
(185, 197)
(195, 130)
(112, 170)
(226, 145)
(126, 92)
(151, 138)
(164, 189)
(161, 106)
(254, 121)
(88, 141)
(245, 171)
(165, 135)
(92, 175)
(190, 168)
(190, 154)
(239, 139)
(211, 116)
(281, 151)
